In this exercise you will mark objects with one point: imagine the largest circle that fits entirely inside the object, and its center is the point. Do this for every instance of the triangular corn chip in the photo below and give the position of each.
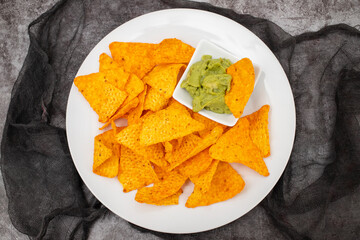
(209, 124)
(236, 146)
(173, 50)
(109, 168)
(134, 57)
(101, 153)
(193, 146)
(166, 125)
(122, 111)
(133, 88)
(203, 180)
(136, 171)
(129, 137)
(242, 86)
(154, 101)
(163, 78)
(171, 184)
(135, 114)
(103, 97)
(195, 165)
(226, 184)
(259, 132)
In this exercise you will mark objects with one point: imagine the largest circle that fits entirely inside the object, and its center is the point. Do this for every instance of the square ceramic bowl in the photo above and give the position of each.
(181, 95)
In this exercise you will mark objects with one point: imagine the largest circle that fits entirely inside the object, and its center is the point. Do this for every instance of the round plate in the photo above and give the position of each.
(272, 88)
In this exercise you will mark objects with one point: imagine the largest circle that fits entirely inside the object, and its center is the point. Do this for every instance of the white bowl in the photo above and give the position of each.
(181, 95)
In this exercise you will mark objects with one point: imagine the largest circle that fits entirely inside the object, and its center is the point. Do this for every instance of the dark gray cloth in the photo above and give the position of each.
(317, 197)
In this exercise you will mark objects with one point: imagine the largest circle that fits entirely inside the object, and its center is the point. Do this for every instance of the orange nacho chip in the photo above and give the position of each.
(195, 165)
(197, 145)
(173, 50)
(160, 172)
(170, 200)
(106, 63)
(133, 88)
(259, 132)
(101, 153)
(110, 166)
(203, 180)
(154, 101)
(122, 111)
(171, 184)
(209, 124)
(173, 104)
(226, 184)
(103, 97)
(182, 152)
(129, 137)
(242, 86)
(207, 141)
(114, 74)
(163, 78)
(166, 125)
(134, 57)
(236, 146)
(168, 147)
(135, 114)
(136, 171)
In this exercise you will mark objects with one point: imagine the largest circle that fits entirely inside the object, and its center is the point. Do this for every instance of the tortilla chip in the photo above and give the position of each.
(129, 137)
(259, 132)
(101, 153)
(113, 72)
(136, 171)
(209, 124)
(193, 146)
(163, 78)
(171, 200)
(206, 141)
(242, 85)
(203, 180)
(166, 125)
(160, 172)
(106, 63)
(175, 104)
(154, 101)
(195, 165)
(134, 57)
(226, 184)
(168, 147)
(133, 88)
(182, 153)
(179, 141)
(173, 50)
(109, 168)
(171, 184)
(236, 146)
(103, 97)
(135, 114)
(122, 111)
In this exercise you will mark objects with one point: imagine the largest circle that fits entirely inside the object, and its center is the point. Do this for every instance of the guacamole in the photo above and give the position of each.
(207, 83)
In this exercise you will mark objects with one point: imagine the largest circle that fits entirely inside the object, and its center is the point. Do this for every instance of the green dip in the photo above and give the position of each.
(207, 83)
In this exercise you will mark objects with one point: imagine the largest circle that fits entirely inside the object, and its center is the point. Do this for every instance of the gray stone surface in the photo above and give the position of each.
(293, 16)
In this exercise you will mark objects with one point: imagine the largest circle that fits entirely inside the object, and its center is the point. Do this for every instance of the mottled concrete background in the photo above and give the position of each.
(294, 16)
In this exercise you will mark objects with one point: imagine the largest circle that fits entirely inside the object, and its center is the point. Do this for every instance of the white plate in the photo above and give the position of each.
(272, 88)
